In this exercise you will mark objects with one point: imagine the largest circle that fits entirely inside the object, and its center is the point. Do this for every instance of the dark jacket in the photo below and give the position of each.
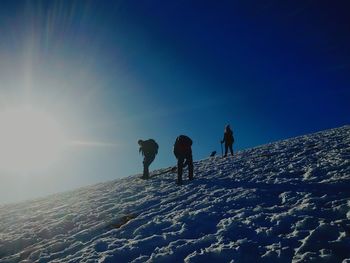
(149, 147)
(182, 146)
(228, 136)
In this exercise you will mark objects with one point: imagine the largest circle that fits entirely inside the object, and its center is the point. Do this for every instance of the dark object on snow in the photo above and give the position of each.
(123, 221)
(228, 139)
(149, 150)
(213, 154)
(160, 172)
(183, 154)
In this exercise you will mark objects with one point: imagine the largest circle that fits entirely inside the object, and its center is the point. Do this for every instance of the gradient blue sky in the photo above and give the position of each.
(113, 72)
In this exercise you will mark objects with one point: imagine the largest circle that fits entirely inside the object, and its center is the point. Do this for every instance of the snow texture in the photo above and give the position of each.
(283, 202)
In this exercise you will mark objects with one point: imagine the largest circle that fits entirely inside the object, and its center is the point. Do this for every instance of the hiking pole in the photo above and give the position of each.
(222, 152)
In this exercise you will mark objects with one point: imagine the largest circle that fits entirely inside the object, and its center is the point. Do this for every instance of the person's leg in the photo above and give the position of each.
(151, 159)
(231, 149)
(146, 163)
(226, 148)
(190, 167)
(180, 162)
(145, 168)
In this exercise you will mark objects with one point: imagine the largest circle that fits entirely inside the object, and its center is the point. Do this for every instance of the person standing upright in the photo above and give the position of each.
(183, 154)
(228, 140)
(149, 150)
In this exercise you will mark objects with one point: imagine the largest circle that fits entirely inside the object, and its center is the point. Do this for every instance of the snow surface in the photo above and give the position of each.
(283, 202)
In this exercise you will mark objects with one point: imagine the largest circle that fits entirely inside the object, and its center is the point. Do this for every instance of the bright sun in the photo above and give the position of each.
(29, 140)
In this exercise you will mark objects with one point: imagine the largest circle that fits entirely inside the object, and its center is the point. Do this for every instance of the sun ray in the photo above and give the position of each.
(92, 143)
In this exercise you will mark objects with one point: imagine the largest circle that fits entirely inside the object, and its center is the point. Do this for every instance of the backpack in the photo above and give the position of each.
(183, 140)
(150, 146)
(182, 145)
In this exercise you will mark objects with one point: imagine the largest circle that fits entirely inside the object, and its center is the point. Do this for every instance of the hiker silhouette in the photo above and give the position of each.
(149, 150)
(183, 154)
(228, 140)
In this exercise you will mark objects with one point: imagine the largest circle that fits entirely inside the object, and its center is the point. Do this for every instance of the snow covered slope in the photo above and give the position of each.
(288, 201)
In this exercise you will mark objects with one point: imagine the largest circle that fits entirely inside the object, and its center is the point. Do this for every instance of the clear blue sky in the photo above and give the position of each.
(114, 72)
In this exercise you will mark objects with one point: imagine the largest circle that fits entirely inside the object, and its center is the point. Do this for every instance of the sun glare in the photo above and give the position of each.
(30, 140)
